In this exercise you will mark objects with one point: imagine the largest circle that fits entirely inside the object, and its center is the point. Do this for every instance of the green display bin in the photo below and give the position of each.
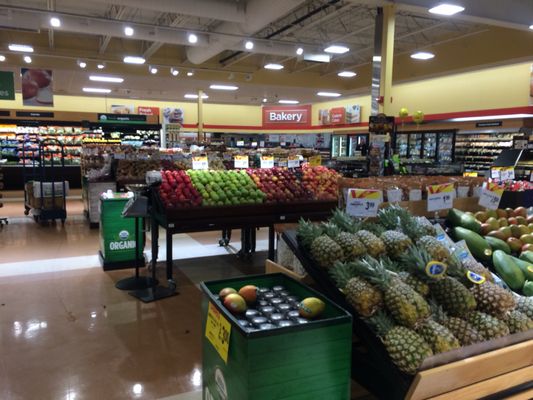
(117, 234)
(300, 362)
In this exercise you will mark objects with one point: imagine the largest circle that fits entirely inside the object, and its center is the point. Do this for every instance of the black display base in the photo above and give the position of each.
(154, 293)
(135, 283)
(112, 265)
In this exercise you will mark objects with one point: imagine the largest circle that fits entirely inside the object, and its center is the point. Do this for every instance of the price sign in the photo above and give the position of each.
(200, 163)
(218, 331)
(240, 143)
(363, 202)
(254, 144)
(315, 161)
(507, 174)
(440, 197)
(531, 176)
(267, 162)
(470, 174)
(282, 162)
(293, 162)
(490, 196)
(240, 161)
(495, 172)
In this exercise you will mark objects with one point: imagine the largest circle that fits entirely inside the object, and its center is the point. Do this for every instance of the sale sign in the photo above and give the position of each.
(363, 202)
(148, 110)
(297, 116)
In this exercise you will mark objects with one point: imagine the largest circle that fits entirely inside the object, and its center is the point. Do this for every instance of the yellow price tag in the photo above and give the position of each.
(471, 174)
(217, 331)
(315, 161)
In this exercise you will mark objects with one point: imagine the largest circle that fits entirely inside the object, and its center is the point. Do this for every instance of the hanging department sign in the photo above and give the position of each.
(142, 110)
(297, 116)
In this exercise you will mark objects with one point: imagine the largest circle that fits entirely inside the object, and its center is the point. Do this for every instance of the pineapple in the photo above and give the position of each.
(425, 227)
(461, 329)
(392, 217)
(417, 227)
(493, 299)
(403, 302)
(416, 283)
(344, 221)
(396, 243)
(365, 298)
(351, 246)
(478, 268)
(406, 348)
(372, 227)
(374, 245)
(436, 249)
(525, 305)
(323, 249)
(487, 325)
(437, 336)
(518, 322)
(451, 294)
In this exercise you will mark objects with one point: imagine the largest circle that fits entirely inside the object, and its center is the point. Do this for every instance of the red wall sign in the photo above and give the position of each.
(148, 110)
(337, 116)
(291, 116)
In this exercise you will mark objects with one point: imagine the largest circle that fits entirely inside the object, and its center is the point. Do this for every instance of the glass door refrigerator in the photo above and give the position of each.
(357, 143)
(445, 147)
(339, 146)
(415, 145)
(402, 145)
(429, 146)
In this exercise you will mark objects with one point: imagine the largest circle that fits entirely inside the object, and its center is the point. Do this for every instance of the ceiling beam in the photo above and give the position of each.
(51, 5)
(116, 12)
(177, 21)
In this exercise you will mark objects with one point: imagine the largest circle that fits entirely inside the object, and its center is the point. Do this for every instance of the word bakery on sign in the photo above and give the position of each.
(279, 116)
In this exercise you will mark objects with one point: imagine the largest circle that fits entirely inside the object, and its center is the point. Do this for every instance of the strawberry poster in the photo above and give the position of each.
(37, 87)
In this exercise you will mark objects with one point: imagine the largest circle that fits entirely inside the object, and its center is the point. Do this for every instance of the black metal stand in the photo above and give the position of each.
(136, 282)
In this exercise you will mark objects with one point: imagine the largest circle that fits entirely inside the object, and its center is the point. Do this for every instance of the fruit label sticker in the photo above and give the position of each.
(440, 197)
(475, 278)
(293, 162)
(495, 172)
(267, 162)
(218, 331)
(435, 269)
(200, 163)
(240, 162)
(363, 202)
(507, 174)
(490, 196)
(530, 268)
(315, 161)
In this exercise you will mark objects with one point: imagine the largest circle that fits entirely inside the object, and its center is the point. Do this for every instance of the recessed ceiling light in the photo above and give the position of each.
(446, 9)
(27, 59)
(328, 94)
(249, 45)
(265, 100)
(174, 71)
(134, 60)
(190, 73)
(103, 78)
(336, 49)
(288, 101)
(153, 70)
(376, 59)
(530, 26)
(192, 38)
(223, 87)
(55, 22)
(2, 58)
(96, 90)
(299, 51)
(82, 64)
(128, 31)
(195, 96)
(422, 55)
(21, 47)
(274, 66)
(346, 74)
(101, 66)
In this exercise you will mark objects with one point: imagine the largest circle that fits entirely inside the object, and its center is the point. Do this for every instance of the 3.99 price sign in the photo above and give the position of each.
(363, 202)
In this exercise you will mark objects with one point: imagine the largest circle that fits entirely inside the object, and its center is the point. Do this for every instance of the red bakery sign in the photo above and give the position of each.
(148, 110)
(293, 116)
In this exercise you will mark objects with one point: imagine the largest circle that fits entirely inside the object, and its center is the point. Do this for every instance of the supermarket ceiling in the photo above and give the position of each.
(205, 42)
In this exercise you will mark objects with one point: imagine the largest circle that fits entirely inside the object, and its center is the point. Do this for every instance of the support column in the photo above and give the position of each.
(200, 136)
(387, 58)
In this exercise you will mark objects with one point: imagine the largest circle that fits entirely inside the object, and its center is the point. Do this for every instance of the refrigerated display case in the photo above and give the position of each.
(429, 146)
(446, 146)
(402, 144)
(357, 145)
(415, 145)
(437, 146)
(339, 146)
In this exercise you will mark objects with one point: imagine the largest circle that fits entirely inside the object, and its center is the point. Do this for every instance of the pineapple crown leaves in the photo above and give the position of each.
(415, 261)
(437, 312)
(307, 232)
(373, 227)
(455, 266)
(344, 221)
(393, 217)
(381, 323)
(330, 229)
(342, 273)
(374, 271)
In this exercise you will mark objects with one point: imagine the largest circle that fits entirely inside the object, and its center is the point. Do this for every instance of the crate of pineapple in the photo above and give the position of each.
(429, 324)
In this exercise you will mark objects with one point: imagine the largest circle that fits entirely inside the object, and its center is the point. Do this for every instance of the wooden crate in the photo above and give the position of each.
(419, 208)
(272, 268)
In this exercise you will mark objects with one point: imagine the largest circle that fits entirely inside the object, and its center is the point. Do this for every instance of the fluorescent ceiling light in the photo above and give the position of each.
(96, 90)
(249, 45)
(336, 49)
(323, 58)
(376, 58)
(422, 55)
(82, 64)
(265, 100)
(223, 87)
(21, 47)
(328, 94)
(128, 31)
(288, 101)
(195, 96)
(192, 38)
(27, 59)
(274, 66)
(299, 51)
(55, 22)
(153, 70)
(102, 78)
(174, 71)
(346, 74)
(491, 117)
(446, 9)
(2, 58)
(134, 60)
(100, 66)
(190, 73)
(530, 26)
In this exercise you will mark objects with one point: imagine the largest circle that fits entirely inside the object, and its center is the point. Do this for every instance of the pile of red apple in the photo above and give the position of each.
(177, 190)
(280, 184)
(321, 181)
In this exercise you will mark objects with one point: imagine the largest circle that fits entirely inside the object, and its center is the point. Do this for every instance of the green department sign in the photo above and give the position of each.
(7, 85)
